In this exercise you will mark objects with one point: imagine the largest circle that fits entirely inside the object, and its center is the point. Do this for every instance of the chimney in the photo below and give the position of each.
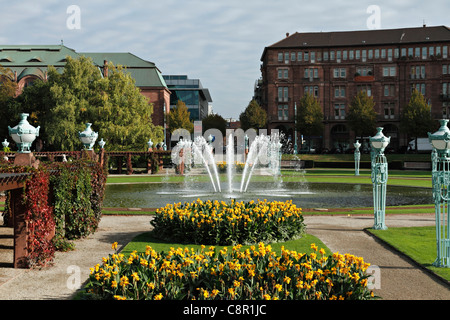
(287, 34)
(105, 68)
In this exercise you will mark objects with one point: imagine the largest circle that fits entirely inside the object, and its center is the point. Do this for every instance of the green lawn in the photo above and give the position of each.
(139, 243)
(418, 243)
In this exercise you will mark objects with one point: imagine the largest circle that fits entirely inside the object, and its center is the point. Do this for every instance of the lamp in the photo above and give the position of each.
(102, 143)
(357, 156)
(23, 134)
(379, 177)
(440, 140)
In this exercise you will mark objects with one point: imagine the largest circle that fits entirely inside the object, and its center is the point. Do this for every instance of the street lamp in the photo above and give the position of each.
(295, 127)
(440, 140)
(357, 156)
(379, 177)
(102, 143)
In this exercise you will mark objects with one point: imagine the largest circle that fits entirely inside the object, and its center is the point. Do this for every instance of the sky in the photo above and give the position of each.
(219, 42)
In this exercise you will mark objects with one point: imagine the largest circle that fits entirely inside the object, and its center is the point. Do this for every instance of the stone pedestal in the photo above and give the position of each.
(26, 159)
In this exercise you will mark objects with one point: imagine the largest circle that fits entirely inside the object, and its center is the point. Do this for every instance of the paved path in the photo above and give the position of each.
(400, 279)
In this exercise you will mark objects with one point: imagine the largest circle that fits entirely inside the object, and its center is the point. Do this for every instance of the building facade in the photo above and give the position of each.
(191, 92)
(29, 63)
(334, 66)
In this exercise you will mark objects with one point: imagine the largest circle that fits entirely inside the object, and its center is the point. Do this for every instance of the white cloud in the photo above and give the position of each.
(220, 42)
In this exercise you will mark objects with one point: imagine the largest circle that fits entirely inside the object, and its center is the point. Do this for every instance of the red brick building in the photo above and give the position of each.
(334, 66)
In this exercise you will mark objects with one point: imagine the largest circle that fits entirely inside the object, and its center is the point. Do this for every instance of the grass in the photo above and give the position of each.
(139, 243)
(418, 243)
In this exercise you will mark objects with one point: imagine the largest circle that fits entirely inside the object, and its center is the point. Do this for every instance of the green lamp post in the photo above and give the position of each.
(357, 145)
(440, 140)
(379, 177)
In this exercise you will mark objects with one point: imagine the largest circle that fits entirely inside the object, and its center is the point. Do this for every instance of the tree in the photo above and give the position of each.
(416, 119)
(7, 105)
(7, 84)
(309, 116)
(179, 118)
(253, 116)
(362, 116)
(214, 121)
(67, 101)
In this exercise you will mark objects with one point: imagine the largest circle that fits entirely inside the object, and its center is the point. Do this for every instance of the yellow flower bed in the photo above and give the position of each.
(222, 166)
(210, 274)
(222, 223)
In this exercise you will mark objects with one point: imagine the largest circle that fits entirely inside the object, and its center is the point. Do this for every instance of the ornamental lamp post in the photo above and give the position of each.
(150, 144)
(357, 156)
(379, 177)
(88, 137)
(5, 145)
(440, 140)
(24, 134)
(101, 143)
(295, 129)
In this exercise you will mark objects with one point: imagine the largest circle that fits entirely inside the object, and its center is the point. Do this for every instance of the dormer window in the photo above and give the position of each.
(35, 59)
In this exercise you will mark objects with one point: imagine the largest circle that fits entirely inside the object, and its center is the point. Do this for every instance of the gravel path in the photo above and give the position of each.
(399, 279)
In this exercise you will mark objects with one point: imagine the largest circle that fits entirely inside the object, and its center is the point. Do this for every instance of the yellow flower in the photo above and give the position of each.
(120, 298)
(114, 246)
(113, 284)
(159, 296)
(287, 279)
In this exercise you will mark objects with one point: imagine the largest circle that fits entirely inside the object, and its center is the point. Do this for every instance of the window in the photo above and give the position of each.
(418, 72)
(339, 92)
(410, 52)
(367, 88)
(445, 88)
(283, 73)
(419, 87)
(312, 90)
(445, 110)
(396, 53)
(344, 55)
(339, 72)
(438, 51)
(377, 53)
(389, 71)
(417, 53)
(306, 56)
(313, 57)
(299, 56)
(311, 73)
(292, 56)
(280, 57)
(370, 55)
(444, 69)
(338, 56)
(403, 52)
(283, 112)
(389, 54)
(444, 52)
(357, 54)
(389, 90)
(283, 94)
(351, 54)
(383, 53)
(325, 56)
(424, 52)
(364, 71)
(331, 55)
(431, 51)
(339, 111)
(364, 55)
(389, 110)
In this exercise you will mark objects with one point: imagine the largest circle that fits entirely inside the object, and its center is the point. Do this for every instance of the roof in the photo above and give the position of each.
(35, 59)
(364, 37)
(145, 73)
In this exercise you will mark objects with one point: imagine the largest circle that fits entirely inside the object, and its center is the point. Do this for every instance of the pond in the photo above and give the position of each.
(311, 195)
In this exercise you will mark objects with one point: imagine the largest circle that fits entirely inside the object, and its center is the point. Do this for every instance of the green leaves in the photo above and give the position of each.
(253, 117)
(362, 115)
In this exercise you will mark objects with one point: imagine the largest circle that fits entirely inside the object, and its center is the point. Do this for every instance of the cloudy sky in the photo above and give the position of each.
(219, 42)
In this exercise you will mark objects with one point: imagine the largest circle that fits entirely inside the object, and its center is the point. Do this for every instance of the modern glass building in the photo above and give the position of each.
(191, 92)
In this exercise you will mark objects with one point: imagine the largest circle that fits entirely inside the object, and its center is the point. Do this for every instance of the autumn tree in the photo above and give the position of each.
(214, 121)
(361, 115)
(253, 116)
(179, 118)
(416, 119)
(67, 101)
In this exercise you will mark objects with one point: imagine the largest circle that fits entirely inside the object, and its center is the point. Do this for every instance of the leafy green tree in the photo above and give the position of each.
(416, 119)
(7, 104)
(214, 121)
(253, 116)
(8, 86)
(67, 101)
(362, 116)
(309, 116)
(179, 118)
